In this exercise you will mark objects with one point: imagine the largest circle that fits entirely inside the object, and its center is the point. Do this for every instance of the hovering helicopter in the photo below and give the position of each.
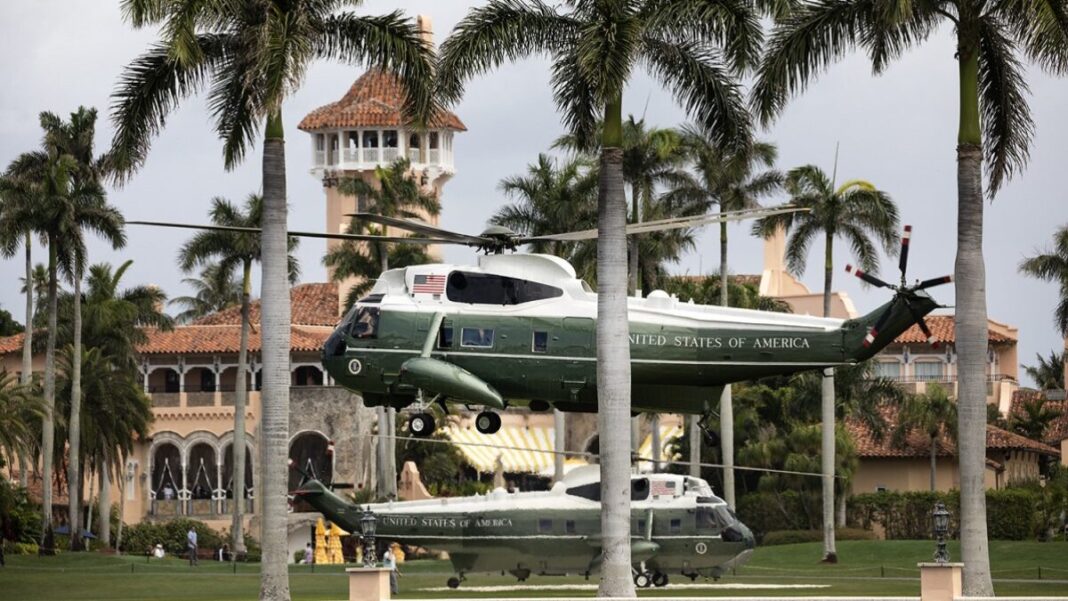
(518, 330)
(678, 525)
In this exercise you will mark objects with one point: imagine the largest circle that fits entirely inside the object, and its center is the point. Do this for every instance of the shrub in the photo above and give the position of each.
(139, 538)
(17, 548)
(20, 518)
(766, 512)
(1012, 513)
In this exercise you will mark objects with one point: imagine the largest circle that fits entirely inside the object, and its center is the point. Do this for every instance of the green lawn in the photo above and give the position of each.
(867, 568)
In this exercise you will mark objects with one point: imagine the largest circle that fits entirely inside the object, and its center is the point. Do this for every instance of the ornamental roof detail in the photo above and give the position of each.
(374, 100)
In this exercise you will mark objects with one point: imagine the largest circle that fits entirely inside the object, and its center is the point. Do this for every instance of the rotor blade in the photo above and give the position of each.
(671, 224)
(920, 321)
(903, 259)
(879, 323)
(867, 277)
(256, 230)
(933, 282)
(417, 227)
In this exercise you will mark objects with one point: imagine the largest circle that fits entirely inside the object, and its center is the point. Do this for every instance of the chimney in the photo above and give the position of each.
(426, 29)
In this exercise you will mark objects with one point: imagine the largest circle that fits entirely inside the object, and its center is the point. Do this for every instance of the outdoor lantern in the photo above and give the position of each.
(368, 524)
(940, 517)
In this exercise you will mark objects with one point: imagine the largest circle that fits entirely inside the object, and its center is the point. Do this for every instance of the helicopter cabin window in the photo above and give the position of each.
(545, 526)
(640, 527)
(366, 323)
(675, 526)
(569, 527)
(639, 489)
(541, 342)
(476, 337)
(445, 337)
(491, 289)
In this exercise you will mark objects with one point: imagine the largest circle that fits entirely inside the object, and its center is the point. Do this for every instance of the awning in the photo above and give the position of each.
(520, 448)
(668, 434)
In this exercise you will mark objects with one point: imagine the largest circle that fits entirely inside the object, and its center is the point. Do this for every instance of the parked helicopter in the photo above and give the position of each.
(518, 329)
(678, 526)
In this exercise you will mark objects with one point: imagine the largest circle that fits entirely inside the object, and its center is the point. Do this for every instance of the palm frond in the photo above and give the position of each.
(1006, 118)
(729, 24)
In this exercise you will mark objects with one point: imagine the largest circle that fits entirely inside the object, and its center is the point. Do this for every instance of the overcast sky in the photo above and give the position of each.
(897, 130)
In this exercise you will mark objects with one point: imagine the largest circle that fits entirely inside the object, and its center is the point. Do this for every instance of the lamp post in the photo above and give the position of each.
(367, 537)
(940, 519)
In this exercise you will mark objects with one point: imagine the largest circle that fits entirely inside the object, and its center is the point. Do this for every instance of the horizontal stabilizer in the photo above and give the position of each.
(451, 380)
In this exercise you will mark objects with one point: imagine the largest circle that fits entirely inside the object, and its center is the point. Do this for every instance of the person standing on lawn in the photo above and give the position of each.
(191, 543)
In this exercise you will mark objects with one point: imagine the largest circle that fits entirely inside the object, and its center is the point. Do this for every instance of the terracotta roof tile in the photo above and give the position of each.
(36, 491)
(1058, 427)
(918, 445)
(199, 339)
(11, 344)
(374, 100)
(942, 326)
(311, 304)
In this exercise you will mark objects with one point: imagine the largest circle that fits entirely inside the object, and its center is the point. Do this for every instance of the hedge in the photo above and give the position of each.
(139, 538)
(1012, 514)
(789, 537)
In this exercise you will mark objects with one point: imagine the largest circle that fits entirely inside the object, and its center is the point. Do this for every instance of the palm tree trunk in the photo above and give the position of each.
(104, 502)
(27, 341)
(934, 459)
(971, 328)
(387, 445)
(239, 445)
(726, 399)
(48, 430)
(74, 464)
(122, 502)
(632, 243)
(559, 443)
(613, 361)
(275, 322)
(695, 445)
(830, 552)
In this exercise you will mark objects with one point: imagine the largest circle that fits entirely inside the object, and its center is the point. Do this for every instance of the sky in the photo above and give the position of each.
(897, 130)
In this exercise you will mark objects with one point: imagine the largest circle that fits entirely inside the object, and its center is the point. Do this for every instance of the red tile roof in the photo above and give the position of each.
(942, 326)
(374, 100)
(311, 304)
(918, 444)
(36, 491)
(1058, 427)
(196, 339)
(10, 344)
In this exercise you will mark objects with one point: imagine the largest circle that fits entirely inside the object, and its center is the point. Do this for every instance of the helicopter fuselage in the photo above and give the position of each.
(524, 327)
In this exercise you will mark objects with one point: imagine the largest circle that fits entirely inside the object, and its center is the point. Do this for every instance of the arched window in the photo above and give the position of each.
(228, 472)
(307, 375)
(166, 479)
(310, 451)
(203, 475)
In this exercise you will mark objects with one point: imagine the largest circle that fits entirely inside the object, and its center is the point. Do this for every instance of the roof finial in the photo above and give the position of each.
(426, 28)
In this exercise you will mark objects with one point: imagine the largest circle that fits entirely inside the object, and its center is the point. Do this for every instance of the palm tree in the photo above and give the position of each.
(992, 37)
(932, 414)
(1052, 266)
(254, 53)
(20, 411)
(551, 193)
(855, 211)
(595, 47)
(1034, 417)
(15, 195)
(395, 192)
(1048, 374)
(213, 291)
(729, 179)
(227, 251)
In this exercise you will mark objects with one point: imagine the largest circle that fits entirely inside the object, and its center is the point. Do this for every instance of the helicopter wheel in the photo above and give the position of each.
(642, 580)
(488, 422)
(453, 582)
(660, 579)
(421, 425)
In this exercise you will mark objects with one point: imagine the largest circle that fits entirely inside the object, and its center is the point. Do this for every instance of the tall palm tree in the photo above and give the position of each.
(227, 251)
(20, 411)
(15, 195)
(857, 212)
(1052, 266)
(595, 47)
(75, 139)
(732, 180)
(394, 192)
(254, 54)
(932, 414)
(213, 291)
(992, 38)
(1048, 373)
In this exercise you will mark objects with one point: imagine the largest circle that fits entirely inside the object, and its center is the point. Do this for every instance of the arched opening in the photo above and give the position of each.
(307, 375)
(164, 383)
(200, 387)
(166, 479)
(415, 148)
(228, 384)
(312, 453)
(228, 476)
(202, 478)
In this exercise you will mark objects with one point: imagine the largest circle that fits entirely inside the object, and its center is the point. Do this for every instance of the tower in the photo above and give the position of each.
(366, 129)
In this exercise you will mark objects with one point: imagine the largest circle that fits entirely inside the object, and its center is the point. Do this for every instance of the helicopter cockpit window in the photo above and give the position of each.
(366, 323)
(491, 289)
(708, 518)
(476, 337)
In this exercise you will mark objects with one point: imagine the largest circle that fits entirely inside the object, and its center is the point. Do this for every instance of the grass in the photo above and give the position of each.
(866, 568)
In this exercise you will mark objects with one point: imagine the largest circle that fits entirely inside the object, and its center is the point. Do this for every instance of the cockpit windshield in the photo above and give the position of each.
(714, 518)
(697, 486)
(365, 323)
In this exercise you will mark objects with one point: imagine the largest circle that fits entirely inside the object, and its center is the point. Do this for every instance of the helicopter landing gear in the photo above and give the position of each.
(488, 422)
(643, 579)
(660, 579)
(421, 425)
(455, 581)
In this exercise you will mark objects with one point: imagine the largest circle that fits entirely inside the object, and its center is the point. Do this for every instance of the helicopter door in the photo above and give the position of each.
(576, 345)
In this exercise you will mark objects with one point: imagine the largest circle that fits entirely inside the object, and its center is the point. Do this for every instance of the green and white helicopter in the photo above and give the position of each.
(518, 329)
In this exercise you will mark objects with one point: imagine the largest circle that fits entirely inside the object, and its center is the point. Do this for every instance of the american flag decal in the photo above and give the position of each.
(660, 487)
(428, 284)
